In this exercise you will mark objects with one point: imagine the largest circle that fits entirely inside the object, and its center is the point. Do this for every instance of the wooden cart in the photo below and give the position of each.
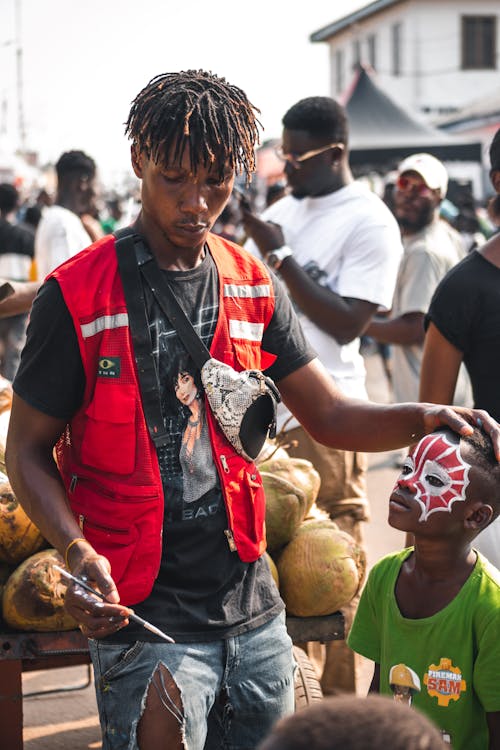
(24, 652)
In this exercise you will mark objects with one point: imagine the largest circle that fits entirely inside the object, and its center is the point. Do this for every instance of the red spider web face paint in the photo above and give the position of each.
(437, 474)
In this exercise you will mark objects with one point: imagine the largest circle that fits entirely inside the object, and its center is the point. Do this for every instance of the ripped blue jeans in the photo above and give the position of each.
(253, 671)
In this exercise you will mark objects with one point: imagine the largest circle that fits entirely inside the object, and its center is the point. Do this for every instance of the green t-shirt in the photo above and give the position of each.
(455, 654)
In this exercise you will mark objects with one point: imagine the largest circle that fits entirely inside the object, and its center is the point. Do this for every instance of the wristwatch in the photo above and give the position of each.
(275, 258)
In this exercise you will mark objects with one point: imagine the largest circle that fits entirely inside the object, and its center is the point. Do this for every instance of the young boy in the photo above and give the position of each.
(435, 607)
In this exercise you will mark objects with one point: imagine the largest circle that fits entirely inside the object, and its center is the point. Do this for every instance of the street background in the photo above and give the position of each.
(68, 720)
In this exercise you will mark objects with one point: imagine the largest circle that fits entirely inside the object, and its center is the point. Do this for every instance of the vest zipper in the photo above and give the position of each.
(223, 461)
(75, 479)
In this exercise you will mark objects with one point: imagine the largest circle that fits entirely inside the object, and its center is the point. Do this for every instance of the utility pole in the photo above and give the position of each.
(19, 80)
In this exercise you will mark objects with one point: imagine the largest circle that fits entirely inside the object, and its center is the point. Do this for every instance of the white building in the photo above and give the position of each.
(431, 56)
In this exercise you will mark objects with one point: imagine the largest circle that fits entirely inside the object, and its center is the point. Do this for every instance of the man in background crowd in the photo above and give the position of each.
(337, 247)
(61, 232)
(431, 248)
(16, 257)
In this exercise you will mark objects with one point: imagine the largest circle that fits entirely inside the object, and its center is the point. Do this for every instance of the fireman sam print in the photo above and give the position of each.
(444, 682)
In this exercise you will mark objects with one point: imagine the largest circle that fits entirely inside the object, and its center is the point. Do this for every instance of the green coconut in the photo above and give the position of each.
(33, 595)
(285, 510)
(320, 570)
(299, 471)
(316, 523)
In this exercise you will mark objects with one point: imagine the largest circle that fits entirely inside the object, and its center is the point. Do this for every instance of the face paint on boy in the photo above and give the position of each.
(436, 473)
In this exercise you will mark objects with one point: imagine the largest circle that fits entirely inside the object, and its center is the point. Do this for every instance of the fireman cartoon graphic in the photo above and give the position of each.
(404, 683)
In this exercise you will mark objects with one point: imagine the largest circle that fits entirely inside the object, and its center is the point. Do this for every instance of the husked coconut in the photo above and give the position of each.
(320, 570)
(317, 523)
(299, 472)
(19, 537)
(33, 596)
(285, 510)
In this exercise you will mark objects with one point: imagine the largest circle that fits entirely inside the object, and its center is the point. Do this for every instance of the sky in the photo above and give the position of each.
(84, 61)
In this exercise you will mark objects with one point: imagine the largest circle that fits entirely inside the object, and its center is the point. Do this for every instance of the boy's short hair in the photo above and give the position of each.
(484, 457)
(350, 722)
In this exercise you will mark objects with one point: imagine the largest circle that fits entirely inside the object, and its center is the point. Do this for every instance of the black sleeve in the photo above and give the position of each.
(284, 336)
(452, 305)
(51, 376)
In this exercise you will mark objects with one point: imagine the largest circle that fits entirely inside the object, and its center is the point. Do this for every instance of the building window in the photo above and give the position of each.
(356, 53)
(396, 49)
(479, 42)
(339, 71)
(372, 50)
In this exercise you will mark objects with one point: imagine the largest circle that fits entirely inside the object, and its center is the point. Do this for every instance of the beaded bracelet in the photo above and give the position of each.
(74, 541)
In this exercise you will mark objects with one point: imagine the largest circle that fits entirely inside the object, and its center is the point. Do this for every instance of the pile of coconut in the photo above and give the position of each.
(317, 567)
(31, 590)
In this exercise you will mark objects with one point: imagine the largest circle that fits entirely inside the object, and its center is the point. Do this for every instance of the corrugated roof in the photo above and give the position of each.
(327, 32)
(484, 108)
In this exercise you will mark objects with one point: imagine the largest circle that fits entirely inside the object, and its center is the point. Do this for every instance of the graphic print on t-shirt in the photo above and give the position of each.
(186, 463)
(192, 443)
(444, 682)
(404, 683)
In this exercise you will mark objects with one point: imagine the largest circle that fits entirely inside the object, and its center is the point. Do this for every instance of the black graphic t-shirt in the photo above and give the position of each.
(203, 590)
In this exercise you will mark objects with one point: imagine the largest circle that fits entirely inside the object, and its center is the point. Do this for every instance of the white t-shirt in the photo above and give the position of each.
(59, 235)
(350, 242)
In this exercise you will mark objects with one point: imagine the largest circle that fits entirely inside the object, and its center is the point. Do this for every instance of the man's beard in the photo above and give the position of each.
(421, 219)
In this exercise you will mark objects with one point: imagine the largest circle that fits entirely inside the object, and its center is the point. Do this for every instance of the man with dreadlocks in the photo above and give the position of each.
(175, 527)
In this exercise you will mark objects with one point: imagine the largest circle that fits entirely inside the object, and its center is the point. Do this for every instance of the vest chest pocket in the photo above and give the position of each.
(109, 438)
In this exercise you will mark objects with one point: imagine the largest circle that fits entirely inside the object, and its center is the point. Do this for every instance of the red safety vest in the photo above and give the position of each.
(106, 457)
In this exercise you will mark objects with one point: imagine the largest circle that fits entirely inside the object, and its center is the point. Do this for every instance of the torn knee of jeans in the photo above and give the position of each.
(163, 706)
(168, 692)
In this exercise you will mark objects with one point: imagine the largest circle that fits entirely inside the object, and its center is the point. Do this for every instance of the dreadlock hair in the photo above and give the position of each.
(320, 116)
(196, 110)
(75, 162)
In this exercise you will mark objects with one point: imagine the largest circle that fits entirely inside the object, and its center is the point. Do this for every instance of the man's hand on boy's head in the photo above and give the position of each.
(462, 420)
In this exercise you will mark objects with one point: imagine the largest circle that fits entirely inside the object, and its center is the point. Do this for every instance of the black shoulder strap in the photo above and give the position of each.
(141, 338)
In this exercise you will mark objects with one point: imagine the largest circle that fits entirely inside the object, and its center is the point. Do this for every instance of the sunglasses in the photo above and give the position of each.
(407, 184)
(295, 160)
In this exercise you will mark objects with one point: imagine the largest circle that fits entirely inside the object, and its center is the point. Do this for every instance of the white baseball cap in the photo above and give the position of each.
(431, 170)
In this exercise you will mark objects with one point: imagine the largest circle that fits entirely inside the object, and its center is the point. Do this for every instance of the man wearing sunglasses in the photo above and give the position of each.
(431, 248)
(337, 248)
